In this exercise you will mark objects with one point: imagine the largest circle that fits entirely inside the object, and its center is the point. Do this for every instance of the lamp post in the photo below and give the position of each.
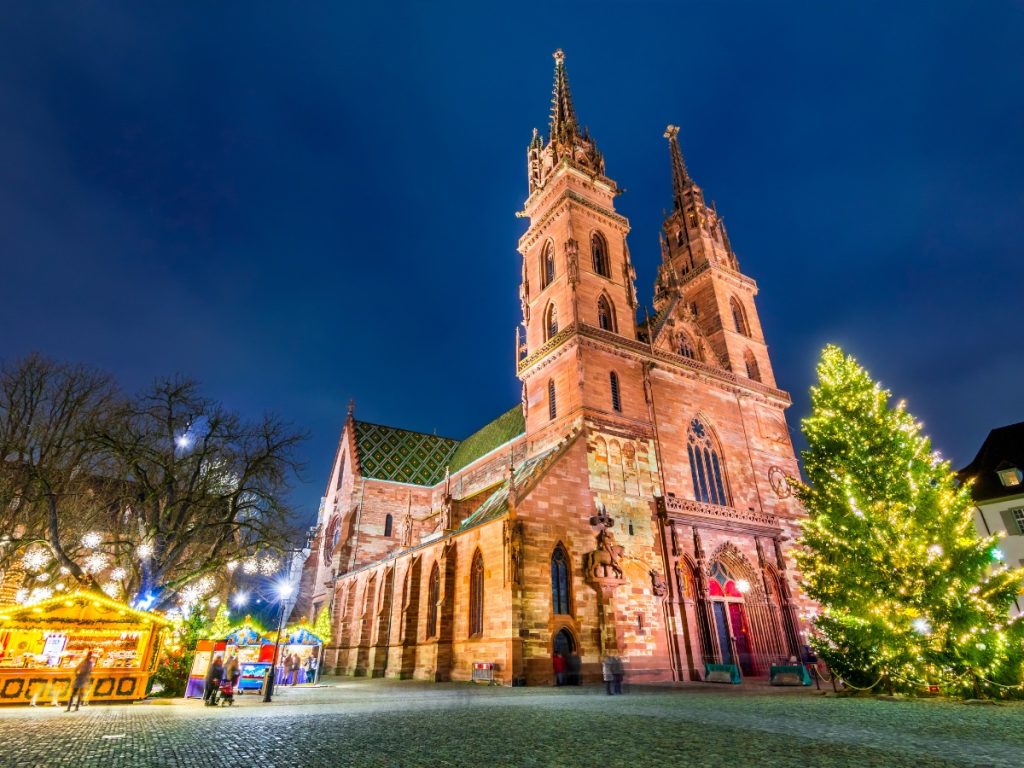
(284, 591)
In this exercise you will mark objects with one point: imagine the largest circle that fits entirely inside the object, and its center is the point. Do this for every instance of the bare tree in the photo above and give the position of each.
(156, 497)
(51, 468)
(203, 491)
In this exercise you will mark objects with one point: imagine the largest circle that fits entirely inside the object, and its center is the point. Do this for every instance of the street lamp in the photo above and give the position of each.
(240, 599)
(284, 591)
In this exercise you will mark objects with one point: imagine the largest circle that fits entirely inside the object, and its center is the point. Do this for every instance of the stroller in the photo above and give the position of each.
(227, 693)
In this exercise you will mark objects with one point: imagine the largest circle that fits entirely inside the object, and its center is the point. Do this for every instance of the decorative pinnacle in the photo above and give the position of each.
(680, 176)
(563, 114)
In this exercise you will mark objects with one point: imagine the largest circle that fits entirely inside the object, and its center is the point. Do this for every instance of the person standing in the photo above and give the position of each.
(296, 668)
(213, 677)
(617, 674)
(558, 662)
(606, 674)
(83, 674)
(232, 671)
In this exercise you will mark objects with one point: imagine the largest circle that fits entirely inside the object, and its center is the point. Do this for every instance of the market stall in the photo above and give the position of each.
(301, 641)
(249, 643)
(41, 644)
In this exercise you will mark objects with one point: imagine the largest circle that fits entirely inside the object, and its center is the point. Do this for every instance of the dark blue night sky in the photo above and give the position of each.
(298, 205)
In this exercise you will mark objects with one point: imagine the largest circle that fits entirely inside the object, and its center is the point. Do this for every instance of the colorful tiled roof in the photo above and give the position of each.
(507, 426)
(496, 504)
(389, 453)
(399, 455)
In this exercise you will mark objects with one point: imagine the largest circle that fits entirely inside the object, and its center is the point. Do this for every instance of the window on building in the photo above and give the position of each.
(433, 597)
(705, 465)
(552, 407)
(686, 347)
(1009, 476)
(605, 314)
(476, 596)
(389, 522)
(739, 317)
(1018, 518)
(547, 265)
(560, 584)
(753, 372)
(599, 252)
(616, 398)
(341, 473)
(550, 322)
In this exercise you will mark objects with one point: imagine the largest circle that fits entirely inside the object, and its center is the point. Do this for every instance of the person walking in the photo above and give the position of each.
(606, 674)
(213, 677)
(296, 668)
(83, 674)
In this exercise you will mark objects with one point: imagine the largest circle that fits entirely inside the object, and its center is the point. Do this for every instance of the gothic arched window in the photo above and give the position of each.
(739, 317)
(753, 372)
(550, 322)
(605, 314)
(547, 265)
(616, 397)
(433, 597)
(705, 465)
(686, 348)
(389, 523)
(560, 584)
(599, 252)
(552, 406)
(476, 596)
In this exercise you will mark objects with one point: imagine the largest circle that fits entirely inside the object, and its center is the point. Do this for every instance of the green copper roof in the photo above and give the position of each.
(389, 453)
(510, 424)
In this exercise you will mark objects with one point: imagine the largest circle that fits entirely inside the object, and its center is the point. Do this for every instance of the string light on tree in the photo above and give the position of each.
(92, 540)
(35, 559)
(908, 591)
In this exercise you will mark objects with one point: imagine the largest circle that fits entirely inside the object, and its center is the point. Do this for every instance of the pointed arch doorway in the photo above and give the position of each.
(732, 626)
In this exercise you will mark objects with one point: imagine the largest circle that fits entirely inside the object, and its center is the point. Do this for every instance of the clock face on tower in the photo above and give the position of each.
(779, 483)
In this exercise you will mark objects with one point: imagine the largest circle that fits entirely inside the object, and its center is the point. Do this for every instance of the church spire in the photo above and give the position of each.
(563, 114)
(680, 176)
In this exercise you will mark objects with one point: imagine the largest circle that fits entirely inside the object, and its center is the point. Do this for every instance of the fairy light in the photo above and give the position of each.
(91, 540)
(35, 559)
(232, 565)
(268, 566)
(111, 588)
(118, 574)
(144, 551)
(250, 565)
(95, 563)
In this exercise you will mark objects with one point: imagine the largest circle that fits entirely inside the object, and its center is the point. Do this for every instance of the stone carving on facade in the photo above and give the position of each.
(572, 261)
(604, 564)
(658, 585)
(514, 547)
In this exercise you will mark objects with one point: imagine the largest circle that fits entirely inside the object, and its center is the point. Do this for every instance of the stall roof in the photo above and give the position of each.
(78, 609)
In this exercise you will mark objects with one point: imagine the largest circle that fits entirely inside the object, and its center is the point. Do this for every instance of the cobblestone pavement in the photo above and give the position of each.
(388, 723)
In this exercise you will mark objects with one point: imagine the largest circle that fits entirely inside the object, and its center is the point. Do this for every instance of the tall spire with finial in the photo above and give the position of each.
(563, 114)
(680, 176)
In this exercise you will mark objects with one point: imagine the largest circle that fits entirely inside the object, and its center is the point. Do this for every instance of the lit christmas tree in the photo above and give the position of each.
(221, 625)
(322, 626)
(909, 594)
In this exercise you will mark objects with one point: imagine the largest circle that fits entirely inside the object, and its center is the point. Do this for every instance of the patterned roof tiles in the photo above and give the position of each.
(399, 455)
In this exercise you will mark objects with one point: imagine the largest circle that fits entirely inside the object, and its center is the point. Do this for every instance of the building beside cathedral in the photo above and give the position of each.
(635, 503)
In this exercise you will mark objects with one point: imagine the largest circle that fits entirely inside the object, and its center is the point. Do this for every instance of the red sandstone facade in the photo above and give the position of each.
(650, 458)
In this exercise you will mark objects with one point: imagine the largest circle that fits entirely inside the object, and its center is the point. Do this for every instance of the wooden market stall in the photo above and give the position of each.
(41, 644)
(249, 643)
(300, 640)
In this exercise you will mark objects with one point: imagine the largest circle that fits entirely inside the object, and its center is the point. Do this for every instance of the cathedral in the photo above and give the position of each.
(634, 504)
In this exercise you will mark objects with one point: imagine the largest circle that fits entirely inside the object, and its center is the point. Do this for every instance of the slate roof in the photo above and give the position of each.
(403, 456)
(1002, 449)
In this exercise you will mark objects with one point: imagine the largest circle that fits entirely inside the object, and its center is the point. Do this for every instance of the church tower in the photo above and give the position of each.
(701, 274)
(576, 277)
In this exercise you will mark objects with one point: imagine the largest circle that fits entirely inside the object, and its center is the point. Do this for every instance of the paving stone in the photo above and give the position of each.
(392, 723)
